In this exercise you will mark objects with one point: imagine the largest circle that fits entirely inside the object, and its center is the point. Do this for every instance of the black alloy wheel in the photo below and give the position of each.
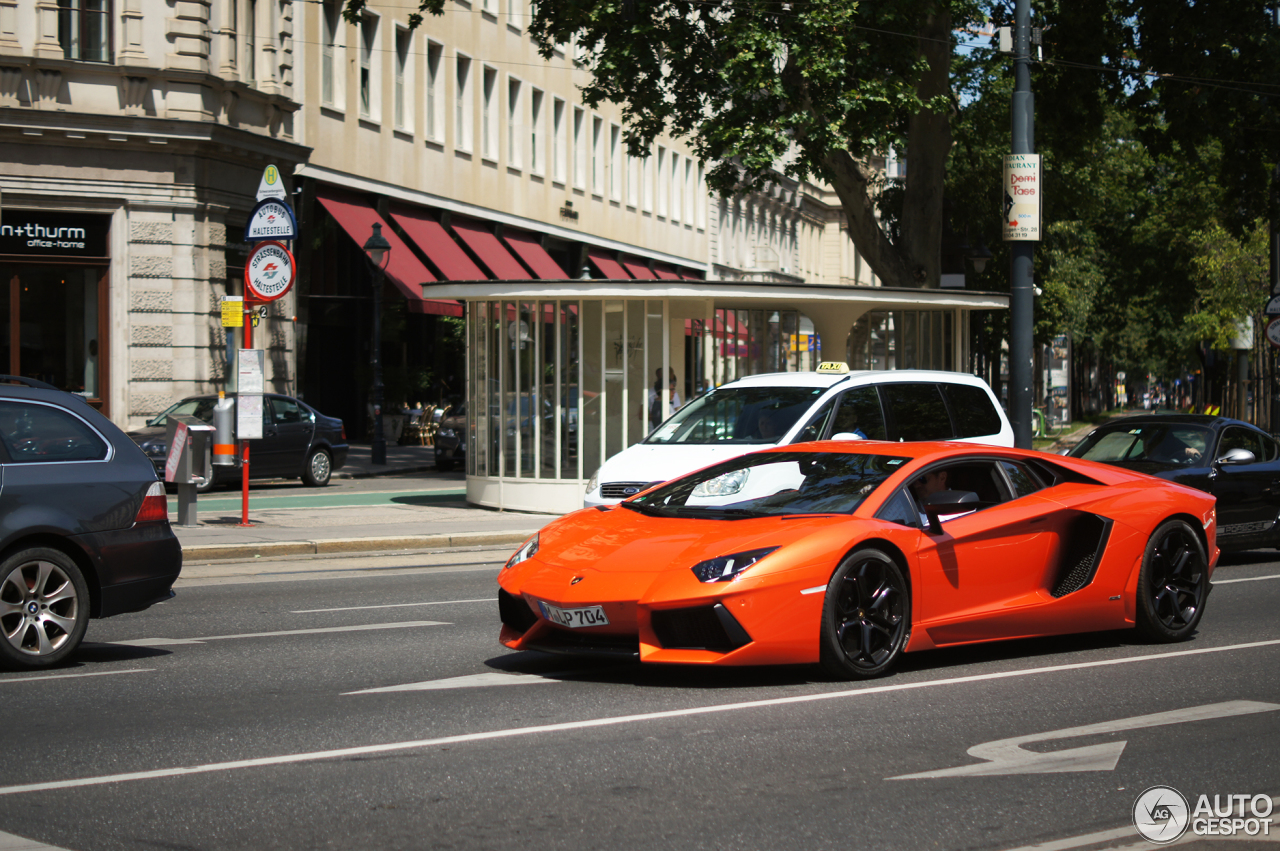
(1173, 583)
(866, 616)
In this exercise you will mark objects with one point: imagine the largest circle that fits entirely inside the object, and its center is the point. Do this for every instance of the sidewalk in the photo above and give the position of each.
(436, 517)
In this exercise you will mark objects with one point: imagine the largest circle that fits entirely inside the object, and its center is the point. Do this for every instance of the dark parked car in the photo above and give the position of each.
(1233, 460)
(297, 441)
(451, 439)
(84, 524)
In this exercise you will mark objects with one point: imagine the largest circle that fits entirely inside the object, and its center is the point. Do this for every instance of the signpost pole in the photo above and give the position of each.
(249, 307)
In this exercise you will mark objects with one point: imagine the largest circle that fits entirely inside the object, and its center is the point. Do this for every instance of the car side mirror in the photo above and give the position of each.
(1234, 457)
(949, 502)
(845, 435)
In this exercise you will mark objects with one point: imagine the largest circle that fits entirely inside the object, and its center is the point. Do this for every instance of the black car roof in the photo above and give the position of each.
(1166, 419)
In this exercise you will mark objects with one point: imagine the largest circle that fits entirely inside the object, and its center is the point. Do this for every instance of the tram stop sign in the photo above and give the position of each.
(270, 271)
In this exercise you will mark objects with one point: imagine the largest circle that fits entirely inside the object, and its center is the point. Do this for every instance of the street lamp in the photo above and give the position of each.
(979, 257)
(379, 252)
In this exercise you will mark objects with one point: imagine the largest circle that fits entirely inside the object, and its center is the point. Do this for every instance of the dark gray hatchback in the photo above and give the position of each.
(84, 524)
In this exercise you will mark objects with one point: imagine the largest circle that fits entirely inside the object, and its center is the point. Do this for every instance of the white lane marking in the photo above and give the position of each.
(286, 759)
(1108, 836)
(490, 678)
(168, 642)
(1245, 579)
(1006, 756)
(392, 606)
(814, 590)
(74, 676)
(9, 842)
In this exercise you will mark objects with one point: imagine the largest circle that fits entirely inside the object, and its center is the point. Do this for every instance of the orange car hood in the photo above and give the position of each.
(620, 540)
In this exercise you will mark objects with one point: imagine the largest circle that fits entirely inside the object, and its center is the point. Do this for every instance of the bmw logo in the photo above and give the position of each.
(33, 608)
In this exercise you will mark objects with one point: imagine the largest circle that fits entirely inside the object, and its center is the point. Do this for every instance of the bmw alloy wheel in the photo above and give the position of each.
(44, 607)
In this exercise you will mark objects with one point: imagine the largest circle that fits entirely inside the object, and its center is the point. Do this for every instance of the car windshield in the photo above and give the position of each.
(769, 484)
(1161, 443)
(737, 415)
(201, 409)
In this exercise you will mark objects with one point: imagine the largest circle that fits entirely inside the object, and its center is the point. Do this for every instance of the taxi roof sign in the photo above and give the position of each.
(833, 366)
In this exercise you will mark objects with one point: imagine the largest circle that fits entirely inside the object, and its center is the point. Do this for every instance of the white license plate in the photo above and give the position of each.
(574, 618)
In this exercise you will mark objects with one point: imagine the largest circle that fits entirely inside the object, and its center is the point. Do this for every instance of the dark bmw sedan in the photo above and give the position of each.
(297, 441)
(1233, 460)
(84, 524)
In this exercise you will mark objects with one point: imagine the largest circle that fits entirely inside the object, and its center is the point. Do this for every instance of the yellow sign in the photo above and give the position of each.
(833, 366)
(233, 312)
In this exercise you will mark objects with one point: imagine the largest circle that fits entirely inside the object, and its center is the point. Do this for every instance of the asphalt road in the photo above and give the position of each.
(367, 705)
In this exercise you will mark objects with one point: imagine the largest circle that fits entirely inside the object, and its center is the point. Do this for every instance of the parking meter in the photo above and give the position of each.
(187, 464)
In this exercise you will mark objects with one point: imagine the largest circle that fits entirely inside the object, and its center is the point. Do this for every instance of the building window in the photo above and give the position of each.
(616, 166)
(435, 118)
(515, 135)
(579, 148)
(490, 6)
(515, 13)
(633, 181)
(646, 183)
(557, 141)
(250, 47)
(661, 177)
(462, 111)
(489, 116)
(535, 132)
(687, 191)
(84, 29)
(404, 79)
(597, 156)
(330, 61)
(676, 199)
(700, 211)
(368, 68)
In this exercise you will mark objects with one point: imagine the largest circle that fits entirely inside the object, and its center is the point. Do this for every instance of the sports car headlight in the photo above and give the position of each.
(723, 485)
(594, 481)
(524, 553)
(726, 568)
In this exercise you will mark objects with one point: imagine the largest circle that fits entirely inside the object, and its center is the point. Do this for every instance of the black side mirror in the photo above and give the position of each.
(949, 502)
(1236, 456)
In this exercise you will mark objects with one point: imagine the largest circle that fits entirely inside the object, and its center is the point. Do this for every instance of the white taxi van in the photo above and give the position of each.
(779, 408)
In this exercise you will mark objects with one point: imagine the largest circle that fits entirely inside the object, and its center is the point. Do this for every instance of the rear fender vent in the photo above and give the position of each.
(515, 612)
(701, 628)
(1084, 541)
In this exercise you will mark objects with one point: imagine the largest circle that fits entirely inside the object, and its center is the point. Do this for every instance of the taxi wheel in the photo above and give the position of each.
(318, 470)
(44, 607)
(866, 616)
(1173, 583)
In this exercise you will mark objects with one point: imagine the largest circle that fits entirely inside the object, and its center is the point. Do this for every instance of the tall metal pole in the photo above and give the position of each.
(378, 450)
(1021, 303)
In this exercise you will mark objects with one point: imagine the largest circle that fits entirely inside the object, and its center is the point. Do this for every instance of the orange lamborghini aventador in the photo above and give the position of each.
(850, 553)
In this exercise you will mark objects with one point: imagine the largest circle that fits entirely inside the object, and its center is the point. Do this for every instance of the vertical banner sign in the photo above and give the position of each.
(249, 387)
(1023, 198)
(232, 311)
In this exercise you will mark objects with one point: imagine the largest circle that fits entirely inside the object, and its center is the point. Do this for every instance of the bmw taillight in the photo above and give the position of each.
(155, 506)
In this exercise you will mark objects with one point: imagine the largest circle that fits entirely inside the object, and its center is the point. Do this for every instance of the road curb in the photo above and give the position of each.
(226, 552)
(390, 471)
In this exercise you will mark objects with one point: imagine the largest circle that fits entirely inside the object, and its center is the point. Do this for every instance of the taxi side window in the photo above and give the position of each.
(971, 407)
(918, 411)
(816, 428)
(858, 412)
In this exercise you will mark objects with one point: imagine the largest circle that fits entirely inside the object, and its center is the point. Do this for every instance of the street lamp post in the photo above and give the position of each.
(379, 252)
(1021, 301)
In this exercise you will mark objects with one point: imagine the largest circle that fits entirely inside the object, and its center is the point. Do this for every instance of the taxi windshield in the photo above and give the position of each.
(760, 415)
(772, 483)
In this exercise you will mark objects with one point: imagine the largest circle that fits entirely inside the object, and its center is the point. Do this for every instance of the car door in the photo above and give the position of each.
(1248, 494)
(286, 436)
(858, 412)
(984, 576)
